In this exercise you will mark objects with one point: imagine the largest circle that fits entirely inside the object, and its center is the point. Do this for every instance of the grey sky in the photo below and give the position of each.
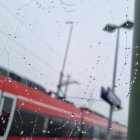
(33, 37)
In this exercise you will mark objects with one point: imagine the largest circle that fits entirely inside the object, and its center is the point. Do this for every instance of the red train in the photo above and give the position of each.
(27, 112)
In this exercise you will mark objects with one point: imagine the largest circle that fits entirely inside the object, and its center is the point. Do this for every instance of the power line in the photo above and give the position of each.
(41, 74)
(34, 55)
(23, 19)
(29, 28)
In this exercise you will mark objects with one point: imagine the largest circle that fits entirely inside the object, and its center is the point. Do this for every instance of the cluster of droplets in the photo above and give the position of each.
(92, 79)
(21, 120)
(68, 6)
(135, 71)
(123, 68)
(98, 60)
(9, 79)
(51, 6)
(39, 4)
(59, 28)
(127, 49)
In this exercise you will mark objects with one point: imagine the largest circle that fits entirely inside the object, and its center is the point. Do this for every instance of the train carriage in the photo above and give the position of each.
(29, 113)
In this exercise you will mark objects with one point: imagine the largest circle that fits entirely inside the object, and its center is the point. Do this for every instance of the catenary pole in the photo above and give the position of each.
(64, 61)
(134, 106)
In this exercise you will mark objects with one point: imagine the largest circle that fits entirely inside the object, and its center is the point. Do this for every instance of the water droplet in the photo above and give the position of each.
(22, 104)
(134, 78)
(9, 80)
(87, 112)
(94, 79)
(51, 122)
(72, 115)
(39, 5)
(21, 133)
(136, 63)
(43, 131)
(91, 46)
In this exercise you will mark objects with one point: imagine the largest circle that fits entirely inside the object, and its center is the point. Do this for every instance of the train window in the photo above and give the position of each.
(3, 72)
(87, 131)
(103, 132)
(14, 76)
(55, 127)
(45, 127)
(123, 134)
(76, 129)
(5, 114)
(115, 134)
(60, 127)
(27, 123)
(96, 130)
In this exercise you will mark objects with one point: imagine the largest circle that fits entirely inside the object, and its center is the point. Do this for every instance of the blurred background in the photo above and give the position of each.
(34, 36)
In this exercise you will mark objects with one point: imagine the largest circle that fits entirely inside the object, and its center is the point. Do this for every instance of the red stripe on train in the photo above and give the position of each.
(47, 111)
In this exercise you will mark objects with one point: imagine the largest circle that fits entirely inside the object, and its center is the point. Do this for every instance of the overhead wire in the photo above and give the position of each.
(30, 52)
(41, 74)
(28, 27)
(17, 18)
(20, 18)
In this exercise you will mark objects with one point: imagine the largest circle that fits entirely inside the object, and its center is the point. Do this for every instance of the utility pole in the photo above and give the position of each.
(66, 88)
(64, 62)
(134, 106)
(67, 83)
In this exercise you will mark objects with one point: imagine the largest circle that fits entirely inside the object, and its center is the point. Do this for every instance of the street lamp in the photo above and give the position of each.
(111, 28)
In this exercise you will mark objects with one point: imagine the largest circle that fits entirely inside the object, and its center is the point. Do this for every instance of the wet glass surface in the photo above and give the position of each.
(55, 57)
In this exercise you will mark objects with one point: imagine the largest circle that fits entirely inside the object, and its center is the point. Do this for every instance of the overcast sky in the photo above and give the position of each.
(33, 37)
